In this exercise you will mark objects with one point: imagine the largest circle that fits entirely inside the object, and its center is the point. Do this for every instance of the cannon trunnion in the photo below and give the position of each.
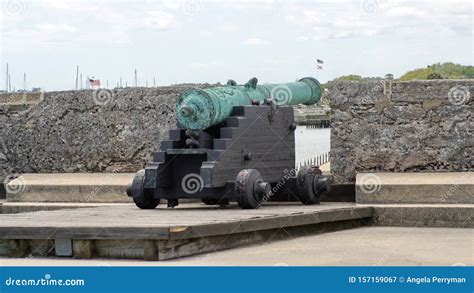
(249, 157)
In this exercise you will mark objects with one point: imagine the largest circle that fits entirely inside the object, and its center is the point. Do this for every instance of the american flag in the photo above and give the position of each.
(94, 82)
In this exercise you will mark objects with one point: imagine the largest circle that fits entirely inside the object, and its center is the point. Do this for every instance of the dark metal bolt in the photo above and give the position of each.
(263, 188)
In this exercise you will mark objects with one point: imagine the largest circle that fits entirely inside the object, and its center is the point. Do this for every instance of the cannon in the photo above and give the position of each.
(198, 109)
(232, 143)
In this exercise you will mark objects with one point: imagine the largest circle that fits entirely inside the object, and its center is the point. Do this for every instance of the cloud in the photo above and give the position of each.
(49, 28)
(256, 42)
(368, 18)
(160, 20)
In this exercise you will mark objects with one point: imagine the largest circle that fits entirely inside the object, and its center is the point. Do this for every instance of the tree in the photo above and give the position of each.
(434, 75)
(351, 77)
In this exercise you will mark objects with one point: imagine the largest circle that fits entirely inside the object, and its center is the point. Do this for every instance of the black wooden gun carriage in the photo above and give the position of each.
(246, 154)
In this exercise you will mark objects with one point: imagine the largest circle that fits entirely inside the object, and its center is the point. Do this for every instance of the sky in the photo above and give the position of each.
(192, 41)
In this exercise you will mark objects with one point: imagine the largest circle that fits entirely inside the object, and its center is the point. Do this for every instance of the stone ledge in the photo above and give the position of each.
(451, 215)
(70, 187)
(27, 207)
(413, 188)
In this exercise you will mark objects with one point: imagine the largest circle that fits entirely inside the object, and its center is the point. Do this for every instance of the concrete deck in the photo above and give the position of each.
(128, 232)
(415, 188)
(365, 246)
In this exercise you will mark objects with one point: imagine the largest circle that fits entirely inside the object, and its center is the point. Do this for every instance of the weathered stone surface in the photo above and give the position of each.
(415, 188)
(70, 188)
(86, 131)
(391, 126)
(424, 215)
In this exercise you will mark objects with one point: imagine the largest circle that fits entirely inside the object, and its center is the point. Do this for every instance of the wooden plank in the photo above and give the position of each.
(129, 222)
(130, 233)
(186, 247)
(271, 222)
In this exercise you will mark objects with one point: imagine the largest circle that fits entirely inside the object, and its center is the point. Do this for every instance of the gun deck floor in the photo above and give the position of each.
(162, 233)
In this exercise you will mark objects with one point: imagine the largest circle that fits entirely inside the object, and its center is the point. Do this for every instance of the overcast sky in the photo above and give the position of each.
(210, 41)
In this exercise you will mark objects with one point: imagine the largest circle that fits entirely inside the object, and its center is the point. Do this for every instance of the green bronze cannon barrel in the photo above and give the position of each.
(199, 109)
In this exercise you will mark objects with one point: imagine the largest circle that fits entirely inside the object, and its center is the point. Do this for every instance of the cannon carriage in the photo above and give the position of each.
(233, 143)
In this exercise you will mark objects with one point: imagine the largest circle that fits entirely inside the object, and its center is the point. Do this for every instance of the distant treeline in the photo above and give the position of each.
(446, 70)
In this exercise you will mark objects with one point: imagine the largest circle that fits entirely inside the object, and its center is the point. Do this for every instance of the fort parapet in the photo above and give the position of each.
(389, 126)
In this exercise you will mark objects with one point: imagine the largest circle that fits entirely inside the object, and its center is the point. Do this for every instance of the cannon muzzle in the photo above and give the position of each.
(186, 110)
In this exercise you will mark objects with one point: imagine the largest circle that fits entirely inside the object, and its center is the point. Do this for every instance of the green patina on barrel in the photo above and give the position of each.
(199, 109)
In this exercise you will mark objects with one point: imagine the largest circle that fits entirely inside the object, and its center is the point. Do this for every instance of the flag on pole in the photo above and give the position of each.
(319, 67)
(95, 83)
(320, 61)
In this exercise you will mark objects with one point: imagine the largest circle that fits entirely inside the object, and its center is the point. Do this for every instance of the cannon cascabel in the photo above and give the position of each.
(198, 109)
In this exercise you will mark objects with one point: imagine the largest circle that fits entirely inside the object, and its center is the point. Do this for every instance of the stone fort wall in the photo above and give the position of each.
(84, 131)
(389, 126)
(376, 126)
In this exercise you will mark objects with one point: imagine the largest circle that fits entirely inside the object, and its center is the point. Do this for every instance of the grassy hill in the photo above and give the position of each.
(440, 71)
(446, 70)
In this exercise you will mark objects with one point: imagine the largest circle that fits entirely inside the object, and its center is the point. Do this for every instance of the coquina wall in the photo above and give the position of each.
(401, 127)
(84, 131)
(376, 126)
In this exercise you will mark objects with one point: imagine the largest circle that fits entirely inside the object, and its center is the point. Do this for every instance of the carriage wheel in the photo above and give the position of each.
(250, 189)
(142, 197)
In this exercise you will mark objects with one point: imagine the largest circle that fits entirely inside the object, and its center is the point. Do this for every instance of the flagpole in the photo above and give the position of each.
(77, 77)
(319, 66)
(6, 79)
(136, 78)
